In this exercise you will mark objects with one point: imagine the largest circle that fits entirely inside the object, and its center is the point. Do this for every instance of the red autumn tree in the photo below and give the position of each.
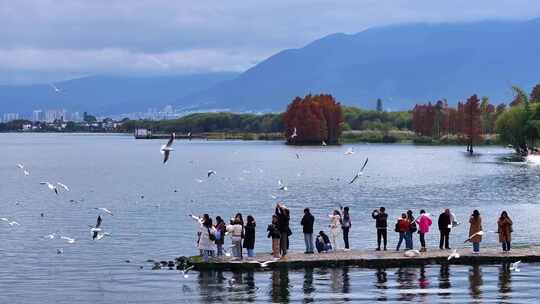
(472, 122)
(316, 118)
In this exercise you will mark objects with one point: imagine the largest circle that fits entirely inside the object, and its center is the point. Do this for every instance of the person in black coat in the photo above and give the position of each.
(381, 223)
(445, 223)
(307, 227)
(249, 236)
(283, 224)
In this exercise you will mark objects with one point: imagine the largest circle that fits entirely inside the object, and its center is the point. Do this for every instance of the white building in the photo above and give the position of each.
(38, 115)
(10, 116)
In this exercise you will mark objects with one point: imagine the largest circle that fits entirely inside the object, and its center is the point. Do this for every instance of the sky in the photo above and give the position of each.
(51, 40)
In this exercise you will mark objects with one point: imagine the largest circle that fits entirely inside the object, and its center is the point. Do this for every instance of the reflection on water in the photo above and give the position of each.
(426, 284)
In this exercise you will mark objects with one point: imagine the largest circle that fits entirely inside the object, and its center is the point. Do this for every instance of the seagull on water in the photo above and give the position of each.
(50, 186)
(63, 186)
(453, 255)
(282, 186)
(211, 172)
(166, 149)
(11, 223)
(68, 239)
(105, 210)
(359, 172)
(349, 151)
(50, 236)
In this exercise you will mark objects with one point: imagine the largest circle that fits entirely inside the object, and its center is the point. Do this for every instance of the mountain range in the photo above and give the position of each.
(401, 64)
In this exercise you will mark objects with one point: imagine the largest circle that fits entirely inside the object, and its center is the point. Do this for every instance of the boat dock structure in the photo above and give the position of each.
(371, 259)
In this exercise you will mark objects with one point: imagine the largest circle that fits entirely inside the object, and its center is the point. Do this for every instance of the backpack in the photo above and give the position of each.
(211, 236)
(396, 228)
(412, 227)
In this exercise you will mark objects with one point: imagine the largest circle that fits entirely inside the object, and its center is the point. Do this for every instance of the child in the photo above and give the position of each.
(273, 232)
(323, 242)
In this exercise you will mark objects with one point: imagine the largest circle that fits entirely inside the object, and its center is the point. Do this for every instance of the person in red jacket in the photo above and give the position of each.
(402, 226)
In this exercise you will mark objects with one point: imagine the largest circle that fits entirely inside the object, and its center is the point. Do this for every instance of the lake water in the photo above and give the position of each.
(150, 202)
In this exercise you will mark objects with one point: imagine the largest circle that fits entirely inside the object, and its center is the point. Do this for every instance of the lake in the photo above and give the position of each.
(150, 202)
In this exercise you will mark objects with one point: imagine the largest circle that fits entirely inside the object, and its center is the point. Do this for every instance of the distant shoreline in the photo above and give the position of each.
(348, 137)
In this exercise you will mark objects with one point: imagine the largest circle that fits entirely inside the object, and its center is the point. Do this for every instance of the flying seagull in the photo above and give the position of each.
(166, 149)
(50, 186)
(68, 239)
(21, 166)
(96, 229)
(186, 270)
(359, 172)
(59, 251)
(293, 135)
(105, 210)
(479, 233)
(56, 90)
(453, 255)
(63, 186)
(50, 236)
(102, 235)
(211, 172)
(282, 186)
(515, 266)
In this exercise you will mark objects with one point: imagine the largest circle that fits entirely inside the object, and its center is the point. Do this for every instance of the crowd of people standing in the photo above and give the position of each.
(211, 237)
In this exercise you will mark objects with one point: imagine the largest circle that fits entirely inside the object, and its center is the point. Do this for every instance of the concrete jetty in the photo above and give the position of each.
(372, 259)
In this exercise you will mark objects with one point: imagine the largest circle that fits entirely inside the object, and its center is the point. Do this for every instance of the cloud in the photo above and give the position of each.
(107, 36)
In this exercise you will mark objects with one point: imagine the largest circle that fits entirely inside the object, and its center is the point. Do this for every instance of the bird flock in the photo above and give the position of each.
(57, 188)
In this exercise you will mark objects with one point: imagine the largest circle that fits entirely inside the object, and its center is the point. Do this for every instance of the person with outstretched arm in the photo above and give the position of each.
(381, 224)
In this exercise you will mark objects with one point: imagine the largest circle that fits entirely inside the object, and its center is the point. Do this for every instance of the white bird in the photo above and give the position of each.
(349, 151)
(68, 239)
(412, 253)
(186, 270)
(479, 233)
(50, 236)
(12, 223)
(359, 173)
(198, 180)
(282, 186)
(4, 219)
(210, 173)
(273, 196)
(50, 186)
(166, 149)
(56, 90)
(105, 210)
(63, 186)
(26, 173)
(59, 250)
(102, 235)
(323, 143)
(293, 135)
(454, 255)
(515, 266)
(20, 166)
(266, 264)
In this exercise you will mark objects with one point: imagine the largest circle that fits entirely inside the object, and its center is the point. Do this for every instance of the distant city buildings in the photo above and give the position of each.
(10, 116)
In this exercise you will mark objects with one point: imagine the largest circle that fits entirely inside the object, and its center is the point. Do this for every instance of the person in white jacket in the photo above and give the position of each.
(235, 230)
(335, 229)
(207, 238)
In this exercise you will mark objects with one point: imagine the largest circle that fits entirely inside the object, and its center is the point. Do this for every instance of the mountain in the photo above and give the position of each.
(103, 95)
(402, 64)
